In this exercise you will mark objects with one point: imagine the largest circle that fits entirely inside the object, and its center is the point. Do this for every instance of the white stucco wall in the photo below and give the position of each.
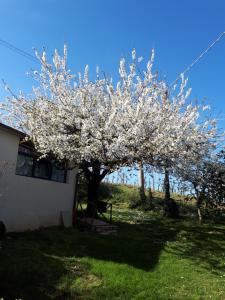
(26, 202)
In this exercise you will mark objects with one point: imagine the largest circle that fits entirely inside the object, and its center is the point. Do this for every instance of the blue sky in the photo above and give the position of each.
(99, 32)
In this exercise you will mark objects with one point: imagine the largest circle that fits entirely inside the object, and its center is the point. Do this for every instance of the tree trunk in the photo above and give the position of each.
(93, 193)
(167, 185)
(198, 204)
(142, 184)
(199, 215)
(153, 182)
(171, 207)
(150, 198)
(94, 176)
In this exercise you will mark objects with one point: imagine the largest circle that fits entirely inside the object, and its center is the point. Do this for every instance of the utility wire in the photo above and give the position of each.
(195, 61)
(18, 51)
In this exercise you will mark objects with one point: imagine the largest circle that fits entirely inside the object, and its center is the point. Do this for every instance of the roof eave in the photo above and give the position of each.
(12, 130)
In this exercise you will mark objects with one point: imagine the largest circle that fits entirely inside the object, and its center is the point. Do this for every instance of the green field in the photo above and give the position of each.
(149, 258)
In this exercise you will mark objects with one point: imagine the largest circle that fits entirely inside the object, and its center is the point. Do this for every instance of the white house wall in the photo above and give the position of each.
(26, 202)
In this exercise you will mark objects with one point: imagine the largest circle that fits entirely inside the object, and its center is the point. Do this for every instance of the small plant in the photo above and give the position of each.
(134, 202)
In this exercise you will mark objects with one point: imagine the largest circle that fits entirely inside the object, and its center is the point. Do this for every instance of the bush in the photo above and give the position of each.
(134, 202)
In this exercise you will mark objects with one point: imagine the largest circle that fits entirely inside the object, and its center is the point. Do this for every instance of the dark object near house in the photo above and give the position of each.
(2, 233)
(101, 207)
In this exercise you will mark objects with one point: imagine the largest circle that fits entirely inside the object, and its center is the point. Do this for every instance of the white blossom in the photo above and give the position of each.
(120, 123)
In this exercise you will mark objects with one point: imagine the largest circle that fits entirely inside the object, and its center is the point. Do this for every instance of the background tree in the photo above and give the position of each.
(207, 178)
(187, 139)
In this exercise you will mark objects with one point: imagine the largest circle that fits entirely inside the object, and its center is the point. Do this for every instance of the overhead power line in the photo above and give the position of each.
(18, 51)
(197, 59)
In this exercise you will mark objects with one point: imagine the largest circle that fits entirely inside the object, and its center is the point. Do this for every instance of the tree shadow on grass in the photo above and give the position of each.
(41, 264)
(203, 244)
(138, 245)
(134, 247)
(27, 272)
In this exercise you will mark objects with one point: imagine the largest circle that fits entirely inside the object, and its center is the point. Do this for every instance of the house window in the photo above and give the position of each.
(58, 174)
(42, 169)
(24, 165)
(28, 164)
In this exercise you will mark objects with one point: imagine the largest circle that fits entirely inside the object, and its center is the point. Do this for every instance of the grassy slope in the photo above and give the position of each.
(149, 258)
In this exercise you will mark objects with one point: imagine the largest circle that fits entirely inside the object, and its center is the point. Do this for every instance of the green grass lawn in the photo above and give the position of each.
(150, 258)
